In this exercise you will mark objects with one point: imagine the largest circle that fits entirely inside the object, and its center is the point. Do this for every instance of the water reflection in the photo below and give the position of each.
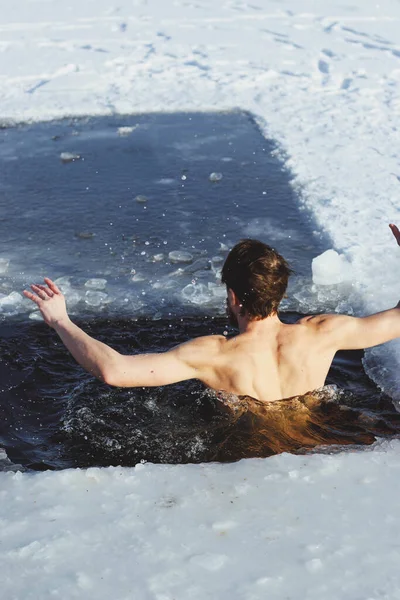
(298, 424)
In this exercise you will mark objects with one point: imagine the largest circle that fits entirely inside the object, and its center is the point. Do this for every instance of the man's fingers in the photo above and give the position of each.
(52, 286)
(39, 291)
(396, 232)
(45, 289)
(32, 297)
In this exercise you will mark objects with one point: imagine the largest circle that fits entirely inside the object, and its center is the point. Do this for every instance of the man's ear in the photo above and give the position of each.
(233, 299)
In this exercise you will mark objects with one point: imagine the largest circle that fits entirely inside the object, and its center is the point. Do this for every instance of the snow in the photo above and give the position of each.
(306, 527)
(323, 79)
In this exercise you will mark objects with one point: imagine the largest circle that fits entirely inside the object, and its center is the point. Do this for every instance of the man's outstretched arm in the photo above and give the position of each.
(105, 363)
(356, 333)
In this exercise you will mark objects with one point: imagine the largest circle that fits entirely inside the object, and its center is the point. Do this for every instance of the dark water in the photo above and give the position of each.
(56, 416)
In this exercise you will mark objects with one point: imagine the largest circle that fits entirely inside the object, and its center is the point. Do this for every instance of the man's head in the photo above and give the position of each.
(258, 277)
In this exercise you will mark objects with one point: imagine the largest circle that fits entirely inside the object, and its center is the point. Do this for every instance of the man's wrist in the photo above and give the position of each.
(61, 323)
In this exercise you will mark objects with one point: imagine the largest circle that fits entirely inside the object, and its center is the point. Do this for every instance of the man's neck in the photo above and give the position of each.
(259, 326)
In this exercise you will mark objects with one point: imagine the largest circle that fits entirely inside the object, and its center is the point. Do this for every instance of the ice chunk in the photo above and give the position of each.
(196, 293)
(158, 257)
(201, 264)
(216, 265)
(11, 302)
(166, 181)
(96, 298)
(179, 256)
(141, 199)
(4, 262)
(63, 280)
(330, 268)
(85, 235)
(36, 316)
(125, 131)
(214, 177)
(138, 277)
(67, 157)
(165, 284)
(64, 284)
(96, 284)
(219, 291)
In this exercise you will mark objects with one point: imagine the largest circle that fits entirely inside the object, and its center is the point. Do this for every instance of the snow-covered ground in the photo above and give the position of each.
(321, 526)
(322, 78)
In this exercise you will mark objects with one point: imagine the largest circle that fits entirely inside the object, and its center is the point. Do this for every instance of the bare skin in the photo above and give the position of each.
(268, 360)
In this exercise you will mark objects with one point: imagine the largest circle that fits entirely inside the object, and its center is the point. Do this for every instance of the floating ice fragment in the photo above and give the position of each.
(158, 257)
(85, 235)
(67, 157)
(166, 181)
(141, 199)
(201, 264)
(95, 298)
(11, 302)
(179, 256)
(219, 291)
(4, 262)
(216, 265)
(63, 280)
(165, 284)
(72, 296)
(63, 283)
(138, 277)
(214, 177)
(36, 316)
(196, 293)
(125, 131)
(178, 273)
(96, 284)
(330, 268)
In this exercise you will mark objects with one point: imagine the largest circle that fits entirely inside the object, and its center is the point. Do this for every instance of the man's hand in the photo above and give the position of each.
(50, 301)
(396, 232)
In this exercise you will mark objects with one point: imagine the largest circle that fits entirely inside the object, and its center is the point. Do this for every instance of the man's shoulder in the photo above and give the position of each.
(204, 347)
(313, 320)
(206, 341)
(326, 322)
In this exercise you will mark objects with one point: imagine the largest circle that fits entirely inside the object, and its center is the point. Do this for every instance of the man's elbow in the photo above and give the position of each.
(110, 377)
(117, 378)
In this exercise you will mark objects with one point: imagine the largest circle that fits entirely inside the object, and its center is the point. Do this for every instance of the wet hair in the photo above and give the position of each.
(259, 277)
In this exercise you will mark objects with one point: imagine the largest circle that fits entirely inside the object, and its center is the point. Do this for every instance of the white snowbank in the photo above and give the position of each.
(308, 527)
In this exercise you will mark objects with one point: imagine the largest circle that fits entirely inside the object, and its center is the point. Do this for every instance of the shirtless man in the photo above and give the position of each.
(268, 360)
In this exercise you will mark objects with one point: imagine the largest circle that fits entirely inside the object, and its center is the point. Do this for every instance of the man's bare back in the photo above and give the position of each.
(268, 360)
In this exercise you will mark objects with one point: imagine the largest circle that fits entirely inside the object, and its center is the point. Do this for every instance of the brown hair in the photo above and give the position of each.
(258, 275)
